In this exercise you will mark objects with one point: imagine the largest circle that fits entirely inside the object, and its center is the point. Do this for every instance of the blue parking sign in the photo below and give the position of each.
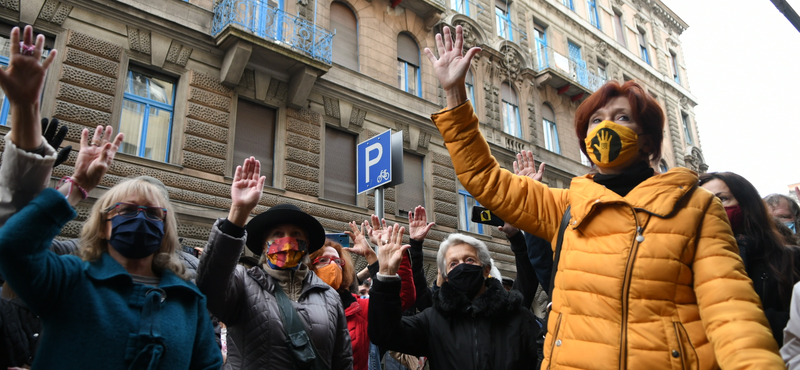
(374, 162)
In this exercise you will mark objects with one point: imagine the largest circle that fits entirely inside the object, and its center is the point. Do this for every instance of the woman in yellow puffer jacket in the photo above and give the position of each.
(649, 276)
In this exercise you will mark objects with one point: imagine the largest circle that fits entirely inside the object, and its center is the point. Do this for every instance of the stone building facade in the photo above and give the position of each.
(197, 84)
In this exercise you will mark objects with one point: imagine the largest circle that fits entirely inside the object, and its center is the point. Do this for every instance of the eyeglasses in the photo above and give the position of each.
(325, 261)
(132, 210)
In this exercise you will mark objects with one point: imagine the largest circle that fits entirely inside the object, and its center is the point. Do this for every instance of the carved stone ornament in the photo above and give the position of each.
(684, 102)
(640, 20)
(602, 48)
(618, 2)
(511, 62)
(672, 43)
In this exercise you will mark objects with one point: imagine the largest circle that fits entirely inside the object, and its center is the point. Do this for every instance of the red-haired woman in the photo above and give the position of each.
(649, 274)
(333, 265)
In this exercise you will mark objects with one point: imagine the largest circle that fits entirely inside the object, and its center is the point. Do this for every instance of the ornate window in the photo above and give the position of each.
(408, 75)
(511, 121)
(503, 17)
(147, 108)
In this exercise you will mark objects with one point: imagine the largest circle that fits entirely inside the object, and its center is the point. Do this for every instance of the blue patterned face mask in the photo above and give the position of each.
(136, 237)
(790, 225)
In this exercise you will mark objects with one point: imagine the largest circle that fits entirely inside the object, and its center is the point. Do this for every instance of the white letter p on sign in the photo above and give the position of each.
(372, 161)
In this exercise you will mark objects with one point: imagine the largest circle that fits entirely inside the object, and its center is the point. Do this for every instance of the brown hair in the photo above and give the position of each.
(347, 270)
(645, 111)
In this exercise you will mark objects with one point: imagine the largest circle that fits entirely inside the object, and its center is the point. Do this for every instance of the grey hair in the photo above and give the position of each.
(773, 200)
(495, 272)
(457, 238)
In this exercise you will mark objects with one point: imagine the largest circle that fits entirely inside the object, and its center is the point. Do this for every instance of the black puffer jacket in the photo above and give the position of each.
(244, 301)
(493, 331)
(19, 334)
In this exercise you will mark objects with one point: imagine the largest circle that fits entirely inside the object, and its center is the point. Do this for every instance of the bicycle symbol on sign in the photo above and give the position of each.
(383, 177)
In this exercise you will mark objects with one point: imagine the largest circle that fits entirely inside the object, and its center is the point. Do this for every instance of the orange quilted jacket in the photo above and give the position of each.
(649, 281)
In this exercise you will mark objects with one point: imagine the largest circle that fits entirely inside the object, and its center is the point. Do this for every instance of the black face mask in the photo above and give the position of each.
(467, 279)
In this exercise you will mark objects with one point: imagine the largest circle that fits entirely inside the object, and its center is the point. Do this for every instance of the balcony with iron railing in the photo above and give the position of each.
(567, 75)
(256, 32)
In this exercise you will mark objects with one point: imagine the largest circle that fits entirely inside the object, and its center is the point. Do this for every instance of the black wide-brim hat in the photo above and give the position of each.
(282, 214)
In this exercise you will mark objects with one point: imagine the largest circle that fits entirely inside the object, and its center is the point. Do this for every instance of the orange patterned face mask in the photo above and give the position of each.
(285, 253)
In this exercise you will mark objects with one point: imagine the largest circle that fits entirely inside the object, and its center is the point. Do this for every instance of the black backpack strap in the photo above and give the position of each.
(557, 255)
(294, 326)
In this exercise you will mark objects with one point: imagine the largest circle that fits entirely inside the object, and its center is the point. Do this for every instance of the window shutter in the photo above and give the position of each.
(255, 136)
(547, 113)
(411, 193)
(407, 49)
(502, 5)
(340, 166)
(508, 94)
(345, 43)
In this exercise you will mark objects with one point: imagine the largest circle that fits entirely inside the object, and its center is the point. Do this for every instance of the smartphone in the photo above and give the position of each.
(340, 238)
(484, 216)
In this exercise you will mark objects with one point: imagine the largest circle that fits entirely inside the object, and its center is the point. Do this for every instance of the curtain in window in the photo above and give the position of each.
(340, 166)
(345, 44)
(510, 110)
(411, 193)
(255, 136)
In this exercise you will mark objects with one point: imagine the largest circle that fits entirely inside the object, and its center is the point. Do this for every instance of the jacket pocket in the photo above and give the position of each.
(685, 352)
(556, 341)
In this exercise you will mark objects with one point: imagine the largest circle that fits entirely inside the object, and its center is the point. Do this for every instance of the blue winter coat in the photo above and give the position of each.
(93, 314)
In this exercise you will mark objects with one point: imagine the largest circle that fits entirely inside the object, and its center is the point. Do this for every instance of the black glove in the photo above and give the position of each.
(56, 138)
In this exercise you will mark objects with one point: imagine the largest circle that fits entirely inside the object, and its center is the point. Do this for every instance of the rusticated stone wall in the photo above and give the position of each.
(205, 143)
(445, 191)
(87, 83)
(303, 131)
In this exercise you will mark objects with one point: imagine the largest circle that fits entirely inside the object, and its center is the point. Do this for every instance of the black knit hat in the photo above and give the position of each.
(282, 214)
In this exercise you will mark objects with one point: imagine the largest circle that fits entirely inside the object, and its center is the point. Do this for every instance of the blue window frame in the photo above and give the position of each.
(146, 121)
(511, 122)
(551, 137)
(643, 47)
(461, 6)
(470, 82)
(465, 213)
(675, 75)
(568, 4)
(540, 35)
(408, 77)
(503, 17)
(687, 132)
(594, 16)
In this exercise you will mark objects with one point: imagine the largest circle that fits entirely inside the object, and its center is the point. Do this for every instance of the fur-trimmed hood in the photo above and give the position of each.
(495, 300)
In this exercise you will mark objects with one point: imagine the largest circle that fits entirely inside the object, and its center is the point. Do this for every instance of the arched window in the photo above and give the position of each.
(470, 82)
(550, 129)
(511, 122)
(408, 76)
(345, 44)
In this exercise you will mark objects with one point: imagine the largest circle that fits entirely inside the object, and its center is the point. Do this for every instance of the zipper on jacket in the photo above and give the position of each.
(680, 345)
(626, 285)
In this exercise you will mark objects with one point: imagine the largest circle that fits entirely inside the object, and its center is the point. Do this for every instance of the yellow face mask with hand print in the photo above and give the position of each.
(610, 144)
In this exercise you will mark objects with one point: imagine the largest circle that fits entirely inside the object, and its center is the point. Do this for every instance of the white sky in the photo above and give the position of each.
(743, 61)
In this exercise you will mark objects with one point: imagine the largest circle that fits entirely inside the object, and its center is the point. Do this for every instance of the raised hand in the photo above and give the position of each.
(390, 254)
(246, 190)
(604, 140)
(526, 166)
(418, 226)
(22, 83)
(377, 230)
(95, 158)
(451, 67)
(360, 245)
(508, 229)
(56, 138)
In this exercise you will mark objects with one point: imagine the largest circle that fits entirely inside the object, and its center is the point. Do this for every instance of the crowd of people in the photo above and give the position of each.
(627, 268)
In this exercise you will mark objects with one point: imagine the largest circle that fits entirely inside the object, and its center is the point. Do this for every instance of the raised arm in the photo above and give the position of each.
(218, 276)
(519, 200)
(387, 326)
(418, 228)
(526, 281)
(729, 307)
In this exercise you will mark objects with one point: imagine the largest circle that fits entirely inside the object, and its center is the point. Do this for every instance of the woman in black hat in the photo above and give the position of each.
(248, 300)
